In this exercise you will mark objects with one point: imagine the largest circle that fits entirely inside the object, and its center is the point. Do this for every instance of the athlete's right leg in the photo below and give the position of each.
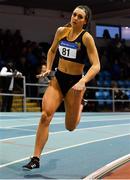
(51, 100)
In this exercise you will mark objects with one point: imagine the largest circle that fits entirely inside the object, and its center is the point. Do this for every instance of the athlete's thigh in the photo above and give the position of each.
(52, 97)
(72, 103)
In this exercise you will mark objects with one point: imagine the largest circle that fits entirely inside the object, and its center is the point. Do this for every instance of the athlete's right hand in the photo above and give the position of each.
(46, 73)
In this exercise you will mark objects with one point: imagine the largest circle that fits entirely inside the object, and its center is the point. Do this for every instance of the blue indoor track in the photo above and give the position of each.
(99, 139)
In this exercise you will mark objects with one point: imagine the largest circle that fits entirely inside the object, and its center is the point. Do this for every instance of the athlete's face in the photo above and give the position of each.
(78, 17)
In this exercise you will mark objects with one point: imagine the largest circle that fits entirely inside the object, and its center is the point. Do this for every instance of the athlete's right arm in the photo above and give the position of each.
(52, 51)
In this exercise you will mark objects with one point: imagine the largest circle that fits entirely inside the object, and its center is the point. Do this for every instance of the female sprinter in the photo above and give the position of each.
(74, 44)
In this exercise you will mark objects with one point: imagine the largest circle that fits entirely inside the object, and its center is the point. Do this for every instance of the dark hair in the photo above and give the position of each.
(88, 13)
(10, 64)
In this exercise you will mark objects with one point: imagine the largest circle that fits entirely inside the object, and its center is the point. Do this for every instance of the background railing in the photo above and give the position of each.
(99, 99)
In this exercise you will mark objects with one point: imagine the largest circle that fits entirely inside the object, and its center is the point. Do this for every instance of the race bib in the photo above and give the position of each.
(68, 49)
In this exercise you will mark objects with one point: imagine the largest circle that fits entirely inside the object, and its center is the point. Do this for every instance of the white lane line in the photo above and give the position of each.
(58, 132)
(17, 126)
(20, 137)
(20, 119)
(11, 114)
(54, 123)
(88, 115)
(20, 129)
(64, 148)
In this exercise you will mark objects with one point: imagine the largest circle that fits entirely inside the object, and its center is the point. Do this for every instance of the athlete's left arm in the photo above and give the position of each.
(93, 57)
(94, 60)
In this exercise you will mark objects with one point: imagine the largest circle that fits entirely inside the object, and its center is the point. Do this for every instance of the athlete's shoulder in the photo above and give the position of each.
(87, 34)
(62, 32)
(63, 29)
(87, 37)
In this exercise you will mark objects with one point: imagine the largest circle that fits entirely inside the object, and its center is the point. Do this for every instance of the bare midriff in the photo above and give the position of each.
(70, 67)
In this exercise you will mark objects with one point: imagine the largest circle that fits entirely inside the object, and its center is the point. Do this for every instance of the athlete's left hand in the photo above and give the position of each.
(79, 86)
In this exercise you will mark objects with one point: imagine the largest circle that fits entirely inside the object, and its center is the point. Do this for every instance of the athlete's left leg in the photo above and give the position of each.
(73, 108)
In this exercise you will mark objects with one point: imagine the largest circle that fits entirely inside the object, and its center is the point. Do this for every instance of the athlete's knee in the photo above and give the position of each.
(45, 118)
(70, 127)
(71, 124)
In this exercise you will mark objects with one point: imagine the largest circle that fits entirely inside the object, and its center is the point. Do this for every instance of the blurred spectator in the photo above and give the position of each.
(106, 34)
(119, 94)
(22, 66)
(42, 81)
(105, 64)
(116, 70)
(17, 37)
(8, 72)
(90, 94)
(117, 46)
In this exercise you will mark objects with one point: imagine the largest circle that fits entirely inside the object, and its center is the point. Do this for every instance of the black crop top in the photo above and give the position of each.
(73, 50)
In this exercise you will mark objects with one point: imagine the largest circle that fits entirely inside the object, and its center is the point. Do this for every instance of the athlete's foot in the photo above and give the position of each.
(34, 163)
